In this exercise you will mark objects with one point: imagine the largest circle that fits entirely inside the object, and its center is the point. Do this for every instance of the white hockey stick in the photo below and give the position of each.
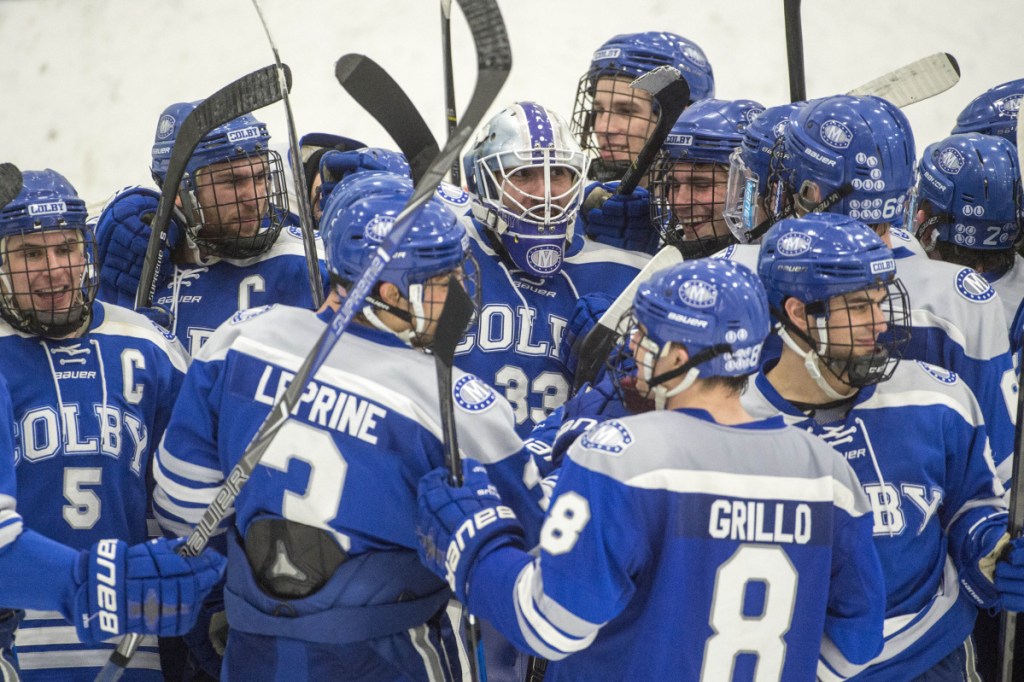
(915, 81)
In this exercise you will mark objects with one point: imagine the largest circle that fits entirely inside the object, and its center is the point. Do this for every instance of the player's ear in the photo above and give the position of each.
(390, 294)
(796, 312)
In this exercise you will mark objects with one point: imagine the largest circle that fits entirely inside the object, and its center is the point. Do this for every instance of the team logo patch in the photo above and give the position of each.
(452, 194)
(611, 436)
(695, 55)
(473, 395)
(165, 127)
(950, 160)
(378, 228)
(835, 134)
(779, 129)
(940, 374)
(697, 293)
(296, 231)
(726, 253)
(545, 259)
(902, 235)
(248, 314)
(1009, 106)
(751, 115)
(47, 208)
(793, 244)
(973, 286)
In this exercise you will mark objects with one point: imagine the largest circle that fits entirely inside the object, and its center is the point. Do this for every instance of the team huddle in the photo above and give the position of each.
(792, 463)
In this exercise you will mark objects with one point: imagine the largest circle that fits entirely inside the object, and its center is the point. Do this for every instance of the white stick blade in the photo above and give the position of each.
(915, 81)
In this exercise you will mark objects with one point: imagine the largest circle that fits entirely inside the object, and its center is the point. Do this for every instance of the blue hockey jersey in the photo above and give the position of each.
(88, 412)
(918, 446)
(677, 548)
(348, 462)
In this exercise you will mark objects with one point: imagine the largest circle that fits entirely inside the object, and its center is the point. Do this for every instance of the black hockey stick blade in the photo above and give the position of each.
(378, 93)
(250, 92)
(451, 325)
(11, 183)
(795, 51)
(672, 93)
(316, 285)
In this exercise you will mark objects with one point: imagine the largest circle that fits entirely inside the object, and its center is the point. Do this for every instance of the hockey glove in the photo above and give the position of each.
(1009, 574)
(458, 526)
(584, 317)
(145, 588)
(976, 577)
(620, 220)
(337, 165)
(122, 235)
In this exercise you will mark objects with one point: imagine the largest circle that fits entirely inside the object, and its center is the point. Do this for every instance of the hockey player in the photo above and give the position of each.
(993, 112)
(757, 528)
(528, 176)
(688, 181)
(232, 246)
(913, 433)
(613, 121)
(92, 386)
(323, 578)
(966, 210)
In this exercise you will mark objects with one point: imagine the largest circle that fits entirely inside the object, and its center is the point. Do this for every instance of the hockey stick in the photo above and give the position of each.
(795, 50)
(449, 81)
(1015, 525)
(11, 183)
(494, 60)
(378, 93)
(248, 93)
(316, 285)
(915, 81)
(672, 93)
(455, 316)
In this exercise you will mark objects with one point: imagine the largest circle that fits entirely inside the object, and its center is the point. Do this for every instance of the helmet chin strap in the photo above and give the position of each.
(417, 318)
(689, 370)
(812, 359)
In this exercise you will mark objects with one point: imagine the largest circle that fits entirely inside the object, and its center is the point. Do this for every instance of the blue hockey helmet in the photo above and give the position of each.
(52, 295)
(529, 175)
(688, 180)
(825, 255)
(751, 166)
(634, 54)
(993, 112)
(969, 187)
(862, 144)
(312, 146)
(714, 307)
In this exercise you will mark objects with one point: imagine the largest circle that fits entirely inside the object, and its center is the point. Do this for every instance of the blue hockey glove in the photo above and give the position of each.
(620, 220)
(337, 165)
(122, 235)
(144, 588)
(1009, 574)
(977, 577)
(584, 317)
(206, 639)
(458, 526)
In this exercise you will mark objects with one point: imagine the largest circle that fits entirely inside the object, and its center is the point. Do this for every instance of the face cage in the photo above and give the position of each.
(622, 367)
(741, 199)
(690, 217)
(239, 213)
(778, 203)
(551, 213)
(28, 270)
(871, 368)
(584, 126)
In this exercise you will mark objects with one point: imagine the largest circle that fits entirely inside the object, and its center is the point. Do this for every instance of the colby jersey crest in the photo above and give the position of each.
(201, 298)
(88, 412)
(918, 446)
(670, 551)
(516, 343)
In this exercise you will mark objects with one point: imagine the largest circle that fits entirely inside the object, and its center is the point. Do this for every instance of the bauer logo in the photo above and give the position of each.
(1009, 106)
(611, 436)
(793, 244)
(881, 267)
(249, 133)
(680, 140)
(545, 259)
(378, 228)
(165, 127)
(950, 160)
(835, 134)
(48, 208)
(473, 395)
(698, 293)
(452, 194)
(609, 53)
(688, 320)
(973, 286)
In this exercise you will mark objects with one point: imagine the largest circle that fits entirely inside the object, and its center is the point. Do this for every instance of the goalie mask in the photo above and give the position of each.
(48, 274)
(611, 120)
(968, 200)
(856, 316)
(993, 112)
(233, 190)
(713, 307)
(528, 174)
(688, 180)
(360, 213)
